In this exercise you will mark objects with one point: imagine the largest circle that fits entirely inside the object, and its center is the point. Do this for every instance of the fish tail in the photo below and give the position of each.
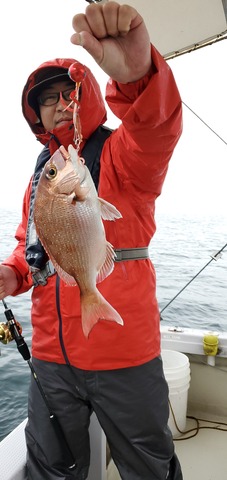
(94, 308)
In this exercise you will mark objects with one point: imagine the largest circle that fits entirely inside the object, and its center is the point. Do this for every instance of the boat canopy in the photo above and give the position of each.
(186, 24)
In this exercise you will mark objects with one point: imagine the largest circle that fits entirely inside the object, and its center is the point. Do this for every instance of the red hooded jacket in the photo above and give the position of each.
(134, 163)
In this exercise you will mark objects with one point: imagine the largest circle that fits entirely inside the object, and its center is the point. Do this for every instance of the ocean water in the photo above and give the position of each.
(181, 247)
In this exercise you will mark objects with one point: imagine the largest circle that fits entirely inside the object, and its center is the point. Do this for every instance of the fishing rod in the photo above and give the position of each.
(11, 330)
(213, 257)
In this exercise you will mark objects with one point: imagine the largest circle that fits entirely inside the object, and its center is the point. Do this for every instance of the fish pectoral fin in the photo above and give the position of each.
(108, 265)
(108, 211)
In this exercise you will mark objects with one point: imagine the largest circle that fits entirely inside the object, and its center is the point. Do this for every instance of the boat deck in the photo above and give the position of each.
(202, 457)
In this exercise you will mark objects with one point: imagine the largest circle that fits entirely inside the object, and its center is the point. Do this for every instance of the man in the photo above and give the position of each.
(117, 372)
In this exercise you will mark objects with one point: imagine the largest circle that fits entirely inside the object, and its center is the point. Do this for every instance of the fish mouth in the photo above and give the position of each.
(79, 176)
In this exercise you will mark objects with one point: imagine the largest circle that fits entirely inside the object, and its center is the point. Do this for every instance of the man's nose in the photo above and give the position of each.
(60, 104)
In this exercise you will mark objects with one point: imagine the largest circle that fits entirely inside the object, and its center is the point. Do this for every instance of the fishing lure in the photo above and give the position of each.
(77, 74)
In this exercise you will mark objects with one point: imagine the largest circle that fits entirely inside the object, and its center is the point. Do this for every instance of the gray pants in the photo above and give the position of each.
(131, 405)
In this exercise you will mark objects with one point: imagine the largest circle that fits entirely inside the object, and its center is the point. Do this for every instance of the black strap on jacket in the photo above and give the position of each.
(92, 152)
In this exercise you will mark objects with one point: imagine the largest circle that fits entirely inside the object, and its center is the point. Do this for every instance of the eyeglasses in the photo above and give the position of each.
(52, 98)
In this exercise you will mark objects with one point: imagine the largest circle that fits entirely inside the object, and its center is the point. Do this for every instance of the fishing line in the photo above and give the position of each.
(206, 124)
(15, 334)
(213, 257)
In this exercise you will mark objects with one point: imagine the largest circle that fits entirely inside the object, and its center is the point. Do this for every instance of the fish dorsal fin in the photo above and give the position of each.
(108, 265)
(108, 211)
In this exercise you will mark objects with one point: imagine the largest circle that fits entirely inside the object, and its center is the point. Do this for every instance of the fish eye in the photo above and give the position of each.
(52, 172)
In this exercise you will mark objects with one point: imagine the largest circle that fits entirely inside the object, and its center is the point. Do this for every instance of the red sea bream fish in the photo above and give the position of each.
(68, 217)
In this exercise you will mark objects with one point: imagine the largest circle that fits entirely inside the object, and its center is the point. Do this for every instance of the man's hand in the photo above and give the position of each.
(8, 281)
(117, 38)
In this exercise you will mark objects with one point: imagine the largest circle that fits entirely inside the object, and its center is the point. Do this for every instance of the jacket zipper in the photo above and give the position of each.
(60, 319)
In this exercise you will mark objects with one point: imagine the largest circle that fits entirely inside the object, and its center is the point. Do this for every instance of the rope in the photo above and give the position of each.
(221, 426)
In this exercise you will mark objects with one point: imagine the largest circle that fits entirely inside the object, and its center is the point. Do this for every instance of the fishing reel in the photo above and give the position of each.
(11, 330)
(6, 332)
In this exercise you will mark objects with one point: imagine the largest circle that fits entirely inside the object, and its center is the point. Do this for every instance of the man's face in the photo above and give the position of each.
(52, 105)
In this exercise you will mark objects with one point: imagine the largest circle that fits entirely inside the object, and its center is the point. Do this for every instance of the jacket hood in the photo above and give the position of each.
(92, 107)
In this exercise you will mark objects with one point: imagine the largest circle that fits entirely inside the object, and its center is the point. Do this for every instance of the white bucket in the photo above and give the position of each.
(176, 368)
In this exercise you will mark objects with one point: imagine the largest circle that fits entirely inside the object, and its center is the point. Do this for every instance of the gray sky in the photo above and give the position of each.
(33, 33)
